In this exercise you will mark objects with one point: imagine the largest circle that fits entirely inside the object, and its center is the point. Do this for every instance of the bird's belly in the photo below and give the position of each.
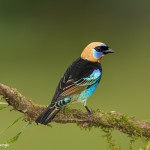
(85, 94)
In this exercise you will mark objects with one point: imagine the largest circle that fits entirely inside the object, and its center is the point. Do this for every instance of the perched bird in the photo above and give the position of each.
(78, 82)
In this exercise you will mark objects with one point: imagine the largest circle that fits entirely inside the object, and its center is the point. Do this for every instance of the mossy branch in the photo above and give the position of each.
(114, 120)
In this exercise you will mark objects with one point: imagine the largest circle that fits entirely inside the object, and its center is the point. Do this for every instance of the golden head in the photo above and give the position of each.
(95, 51)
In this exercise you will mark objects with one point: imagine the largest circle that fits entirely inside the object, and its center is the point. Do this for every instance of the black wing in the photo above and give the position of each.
(76, 79)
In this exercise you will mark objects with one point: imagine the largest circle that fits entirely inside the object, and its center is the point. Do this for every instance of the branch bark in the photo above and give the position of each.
(113, 120)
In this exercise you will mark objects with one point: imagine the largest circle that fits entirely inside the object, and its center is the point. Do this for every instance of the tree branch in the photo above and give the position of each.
(114, 120)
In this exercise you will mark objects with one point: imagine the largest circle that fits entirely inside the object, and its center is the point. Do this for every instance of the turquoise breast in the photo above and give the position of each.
(88, 92)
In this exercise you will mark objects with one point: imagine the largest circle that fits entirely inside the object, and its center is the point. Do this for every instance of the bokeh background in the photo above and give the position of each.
(40, 39)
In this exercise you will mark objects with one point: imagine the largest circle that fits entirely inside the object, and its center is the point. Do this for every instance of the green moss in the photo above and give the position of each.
(132, 141)
(126, 124)
(119, 121)
(109, 139)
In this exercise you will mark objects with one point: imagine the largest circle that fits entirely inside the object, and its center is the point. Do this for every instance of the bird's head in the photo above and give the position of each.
(95, 51)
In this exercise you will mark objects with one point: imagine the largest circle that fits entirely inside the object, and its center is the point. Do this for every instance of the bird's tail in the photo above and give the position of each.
(47, 115)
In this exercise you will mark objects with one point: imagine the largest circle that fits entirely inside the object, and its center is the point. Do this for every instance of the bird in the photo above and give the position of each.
(78, 82)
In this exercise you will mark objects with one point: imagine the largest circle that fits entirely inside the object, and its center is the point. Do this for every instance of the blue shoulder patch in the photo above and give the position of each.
(94, 76)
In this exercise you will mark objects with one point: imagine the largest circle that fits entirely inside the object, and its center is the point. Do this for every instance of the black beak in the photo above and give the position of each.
(109, 51)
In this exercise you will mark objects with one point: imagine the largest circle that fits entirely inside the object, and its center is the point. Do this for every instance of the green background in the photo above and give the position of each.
(40, 39)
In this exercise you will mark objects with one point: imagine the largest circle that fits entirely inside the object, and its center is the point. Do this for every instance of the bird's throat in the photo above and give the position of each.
(100, 59)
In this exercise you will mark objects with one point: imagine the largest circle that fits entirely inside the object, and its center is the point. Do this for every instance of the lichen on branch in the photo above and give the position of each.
(113, 120)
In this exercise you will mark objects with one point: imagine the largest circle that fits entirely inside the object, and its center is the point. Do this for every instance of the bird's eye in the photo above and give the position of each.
(101, 48)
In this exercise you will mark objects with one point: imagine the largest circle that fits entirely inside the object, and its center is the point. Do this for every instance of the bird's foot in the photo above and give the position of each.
(63, 110)
(89, 114)
(90, 111)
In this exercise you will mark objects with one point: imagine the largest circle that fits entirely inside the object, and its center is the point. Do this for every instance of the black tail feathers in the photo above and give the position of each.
(47, 115)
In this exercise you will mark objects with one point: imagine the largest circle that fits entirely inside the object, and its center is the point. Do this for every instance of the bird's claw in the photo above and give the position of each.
(89, 114)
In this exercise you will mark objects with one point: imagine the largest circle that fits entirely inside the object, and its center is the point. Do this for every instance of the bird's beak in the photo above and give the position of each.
(109, 51)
